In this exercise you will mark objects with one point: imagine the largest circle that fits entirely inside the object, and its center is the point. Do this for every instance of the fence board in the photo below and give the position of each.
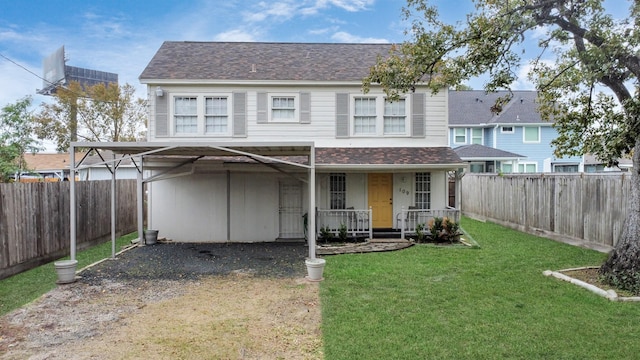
(587, 207)
(34, 219)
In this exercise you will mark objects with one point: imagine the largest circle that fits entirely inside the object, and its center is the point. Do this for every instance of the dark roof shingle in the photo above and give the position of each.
(473, 107)
(387, 156)
(187, 60)
(476, 151)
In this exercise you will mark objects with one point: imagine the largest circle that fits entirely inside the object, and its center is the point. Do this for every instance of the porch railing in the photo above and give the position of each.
(357, 221)
(408, 219)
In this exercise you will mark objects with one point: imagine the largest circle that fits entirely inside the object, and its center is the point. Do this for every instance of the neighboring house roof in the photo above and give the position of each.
(107, 155)
(47, 162)
(246, 61)
(473, 107)
(475, 151)
(590, 159)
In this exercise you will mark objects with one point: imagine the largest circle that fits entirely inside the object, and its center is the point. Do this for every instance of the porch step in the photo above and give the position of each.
(386, 234)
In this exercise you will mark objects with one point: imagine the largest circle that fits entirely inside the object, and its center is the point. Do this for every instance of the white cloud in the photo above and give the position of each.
(323, 30)
(348, 5)
(279, 11)
(345, 37)
(235, 35)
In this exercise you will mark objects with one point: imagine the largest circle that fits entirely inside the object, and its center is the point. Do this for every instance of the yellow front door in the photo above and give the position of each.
(381, 199)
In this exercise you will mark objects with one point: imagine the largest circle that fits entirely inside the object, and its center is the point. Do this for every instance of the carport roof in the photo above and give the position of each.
(325, 158)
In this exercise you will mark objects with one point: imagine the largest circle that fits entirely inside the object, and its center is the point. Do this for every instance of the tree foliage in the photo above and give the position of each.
(16, 137)
(586, 73)
(96, 113)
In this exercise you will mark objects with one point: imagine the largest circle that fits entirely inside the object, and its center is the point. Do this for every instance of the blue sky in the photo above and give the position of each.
(122, 36)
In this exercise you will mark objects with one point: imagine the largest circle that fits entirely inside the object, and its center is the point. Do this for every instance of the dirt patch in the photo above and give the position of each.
(222, 317)
(176, 301)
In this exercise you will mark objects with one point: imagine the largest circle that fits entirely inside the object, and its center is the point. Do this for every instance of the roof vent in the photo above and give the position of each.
(521, 100)
(253, 68)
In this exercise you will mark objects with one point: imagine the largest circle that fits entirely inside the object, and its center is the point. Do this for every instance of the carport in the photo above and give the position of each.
(275, 155)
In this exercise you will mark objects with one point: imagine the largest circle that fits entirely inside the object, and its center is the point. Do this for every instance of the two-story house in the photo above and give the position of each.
(514, 139)
(294, 117)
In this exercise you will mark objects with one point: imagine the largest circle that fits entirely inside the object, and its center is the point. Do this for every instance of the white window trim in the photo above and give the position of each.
(513, 165)
(524, 136)
(481, 136)
(524, 164)
(380, 100)
(296, 107)
(201, 127)
(503, 131)
(455, 136)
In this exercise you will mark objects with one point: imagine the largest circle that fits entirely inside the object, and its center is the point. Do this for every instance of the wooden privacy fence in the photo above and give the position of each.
(585, 207)
(35, 222)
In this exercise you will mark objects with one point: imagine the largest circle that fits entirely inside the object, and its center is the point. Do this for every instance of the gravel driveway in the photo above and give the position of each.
(174, 261)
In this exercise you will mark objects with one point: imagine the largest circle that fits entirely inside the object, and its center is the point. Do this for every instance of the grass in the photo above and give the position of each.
(430, 302)
(27, 286)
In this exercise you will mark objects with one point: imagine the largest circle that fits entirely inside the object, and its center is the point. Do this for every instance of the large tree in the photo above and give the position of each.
(586, 71)
(16, 137)
(94, 113)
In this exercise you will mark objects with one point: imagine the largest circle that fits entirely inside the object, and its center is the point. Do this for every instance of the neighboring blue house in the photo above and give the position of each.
(517, 129)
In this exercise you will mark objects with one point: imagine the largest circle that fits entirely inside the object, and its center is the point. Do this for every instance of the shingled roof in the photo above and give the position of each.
(476, 151)
(387, 156)
(262, 61)
(473, 107)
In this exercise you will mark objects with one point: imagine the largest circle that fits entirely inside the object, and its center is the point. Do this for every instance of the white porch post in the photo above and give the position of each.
(140, 195)
(72, 200)
(312, 203)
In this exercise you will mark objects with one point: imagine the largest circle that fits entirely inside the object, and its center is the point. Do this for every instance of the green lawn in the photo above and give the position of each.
(491, 302)
(25, 287)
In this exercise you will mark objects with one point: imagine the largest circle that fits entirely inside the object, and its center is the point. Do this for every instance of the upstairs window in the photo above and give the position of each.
(395, 117)
(201, 115)
(531, 134)
(506, 129)
(459, 136)
(364, 120)
(423, 190)
(374, 115)
(186, 115)
(283, 108)
(337, 191)
(476, 136)
(216, 115)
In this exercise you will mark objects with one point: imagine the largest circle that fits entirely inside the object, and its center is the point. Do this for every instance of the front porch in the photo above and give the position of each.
(358, 223)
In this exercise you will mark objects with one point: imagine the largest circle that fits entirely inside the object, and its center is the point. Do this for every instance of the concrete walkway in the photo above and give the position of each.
(374, 245)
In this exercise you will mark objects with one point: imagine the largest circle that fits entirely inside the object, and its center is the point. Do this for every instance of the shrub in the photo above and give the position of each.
(325, 234)
(342, 232)
(420, 234)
